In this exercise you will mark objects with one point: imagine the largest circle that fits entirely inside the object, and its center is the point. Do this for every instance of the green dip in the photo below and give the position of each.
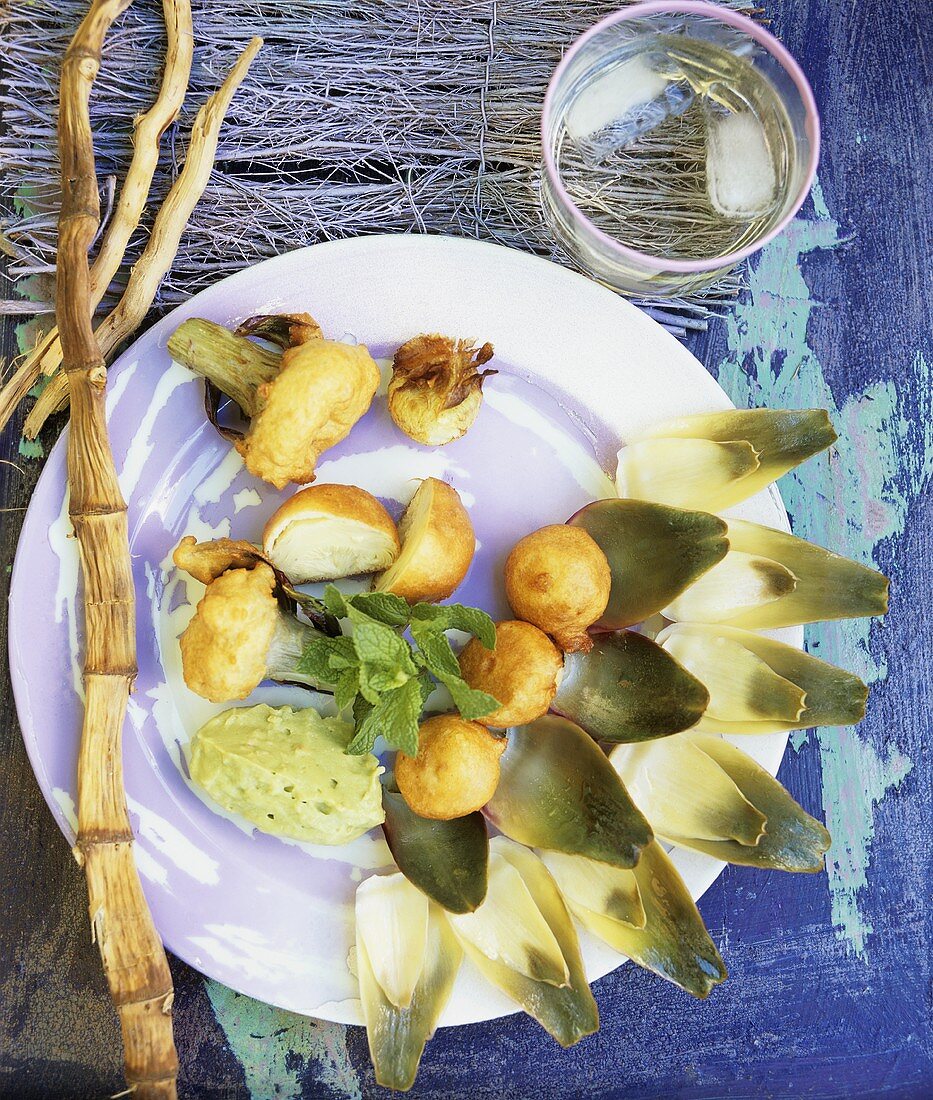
(286, 771)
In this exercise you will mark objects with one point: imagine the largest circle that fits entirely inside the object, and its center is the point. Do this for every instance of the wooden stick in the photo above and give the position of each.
(163, 243)
(132, 954)
(46, 356)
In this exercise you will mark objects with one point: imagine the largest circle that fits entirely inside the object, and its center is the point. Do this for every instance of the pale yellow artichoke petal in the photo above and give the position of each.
(792, 840)
(567, 1012)
(742, 687)
(509, 928)
(673, 942)
(684, 792)
(686, 473)
(397, 1036)
(832, 696)
(828, 585)
(740, 583)
(781, 439)
(614, 889)
(392, 924)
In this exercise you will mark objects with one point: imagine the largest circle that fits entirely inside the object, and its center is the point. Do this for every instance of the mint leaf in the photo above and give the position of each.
(383, 607)
(395, 717)
(347, 688)
(457, 616)
(399, 712)
(379, 678)
(434, 647)
(471, 703)
(334, 601)
(361, 708)
(377, 644)
(438, 658)
(427, 686)
(323, 659)
(366, 733)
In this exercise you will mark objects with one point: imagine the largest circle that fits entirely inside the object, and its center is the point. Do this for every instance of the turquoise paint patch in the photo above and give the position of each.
(852, 500)
(31, 448)
(277, 1048)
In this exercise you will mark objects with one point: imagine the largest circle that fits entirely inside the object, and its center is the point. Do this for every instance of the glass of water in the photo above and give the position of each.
(678, 139)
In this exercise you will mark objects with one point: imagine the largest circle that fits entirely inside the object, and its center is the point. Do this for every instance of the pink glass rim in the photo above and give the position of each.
(760, 35)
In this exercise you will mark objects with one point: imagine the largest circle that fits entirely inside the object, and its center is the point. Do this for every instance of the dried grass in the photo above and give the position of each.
(355, 119)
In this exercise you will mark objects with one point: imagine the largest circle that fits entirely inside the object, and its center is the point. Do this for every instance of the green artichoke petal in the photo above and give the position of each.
(628, 689)
(557, 790)
(828, 585)
(792, 839)
(445, 859)
(683, 791)
(741, 584)
(780, 438)
(654, 553)
(686, 473)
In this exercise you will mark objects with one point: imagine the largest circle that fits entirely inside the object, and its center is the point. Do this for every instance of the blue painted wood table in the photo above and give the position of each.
(829, 994)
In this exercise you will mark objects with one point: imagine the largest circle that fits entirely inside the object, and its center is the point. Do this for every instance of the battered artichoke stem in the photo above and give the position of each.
(239, 635)
(298, 403)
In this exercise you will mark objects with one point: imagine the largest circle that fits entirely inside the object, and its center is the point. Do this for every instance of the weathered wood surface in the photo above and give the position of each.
(829, 994)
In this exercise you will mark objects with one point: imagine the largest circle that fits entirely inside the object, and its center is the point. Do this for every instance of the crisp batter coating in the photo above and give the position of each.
(437, 546)
(325, 532)
(224, 647)
(206, 561)
(522, 672)
(435, 391)
(456, 770)
(322, 390)
(559, 579)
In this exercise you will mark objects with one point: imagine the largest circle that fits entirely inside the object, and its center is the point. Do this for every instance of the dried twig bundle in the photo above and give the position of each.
(46, 357)
(359, 118)
(162, 246)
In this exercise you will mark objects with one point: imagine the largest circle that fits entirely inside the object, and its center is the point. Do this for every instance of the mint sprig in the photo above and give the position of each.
(381, 677)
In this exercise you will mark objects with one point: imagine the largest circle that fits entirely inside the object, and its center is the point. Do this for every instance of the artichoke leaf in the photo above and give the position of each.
(780, 438)
(583, 879)
(742, 687)
(740, 584)
(684, 792)
(397, 1036)
(567, 1012)
(828, 586)
(557, 790)
(792, 839)
(654, 553)
(627, 688)
(832, 696)
(392, 924)
(508, 928)
(673, 942)
(445, 859)
(686, 473)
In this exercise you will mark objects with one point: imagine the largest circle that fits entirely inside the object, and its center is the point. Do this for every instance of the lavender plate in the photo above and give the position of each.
(579, 369)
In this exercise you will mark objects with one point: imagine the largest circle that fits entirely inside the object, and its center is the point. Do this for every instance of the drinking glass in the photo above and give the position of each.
(678, 139)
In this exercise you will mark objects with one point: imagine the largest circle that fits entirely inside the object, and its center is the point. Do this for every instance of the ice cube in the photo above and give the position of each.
(620, 94)
(741, 179)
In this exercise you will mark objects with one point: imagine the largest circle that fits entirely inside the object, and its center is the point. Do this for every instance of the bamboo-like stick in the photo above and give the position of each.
(46, 356)
(132, 954)
(163, 242)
